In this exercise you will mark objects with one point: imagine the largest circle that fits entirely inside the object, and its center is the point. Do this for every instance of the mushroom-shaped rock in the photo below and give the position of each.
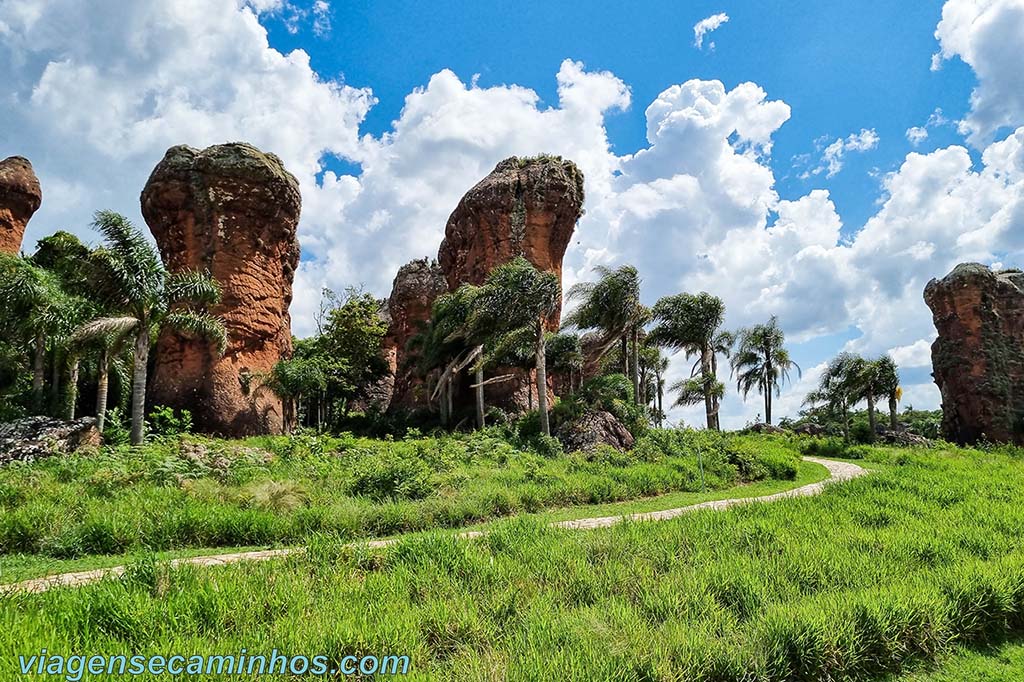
(231, 210)
(525, 207)
(20, 198)
(978, 357)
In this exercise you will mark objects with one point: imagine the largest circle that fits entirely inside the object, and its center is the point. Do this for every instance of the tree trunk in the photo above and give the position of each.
(661, 395)
(542, 380)
(55, 384)
(72, 396)
(480, 396)
(449, 390)
(709, 402)
(635, 362)
(102, 386)
(38, 372)
(139, 383)
(768, 385)
(894, 421)
(846, 422)
(625, 353)
(871, 416)
(529, 391)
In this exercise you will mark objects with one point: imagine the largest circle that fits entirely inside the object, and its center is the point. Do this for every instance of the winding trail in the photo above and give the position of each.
(838, 472)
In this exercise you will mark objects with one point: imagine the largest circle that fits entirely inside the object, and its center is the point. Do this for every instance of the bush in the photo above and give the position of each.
(388, 474)
(166, 421)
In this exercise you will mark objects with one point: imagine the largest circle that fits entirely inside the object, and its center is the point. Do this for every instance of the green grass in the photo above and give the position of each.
(19, 567)
(197, 493)
(870, 578)
(1001, 663)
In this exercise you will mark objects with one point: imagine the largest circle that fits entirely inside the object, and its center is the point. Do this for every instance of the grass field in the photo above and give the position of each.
(999, 663)
(870, 579)
(197, 493)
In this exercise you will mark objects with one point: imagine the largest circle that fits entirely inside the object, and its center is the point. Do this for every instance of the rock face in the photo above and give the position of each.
(416, 286)
(978, 357)
(594, 428)
(20, 198)
(525, 207)
(231, 210)
(33, 438)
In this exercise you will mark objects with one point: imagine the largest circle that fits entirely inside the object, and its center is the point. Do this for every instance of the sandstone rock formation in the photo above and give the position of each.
(416, 286)
(33, 438)
(526, 207)
(978, 357)
(20, 197)
(231, 210)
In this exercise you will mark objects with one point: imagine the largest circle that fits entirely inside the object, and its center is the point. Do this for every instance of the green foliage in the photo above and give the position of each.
(166, 421)
(115, 433)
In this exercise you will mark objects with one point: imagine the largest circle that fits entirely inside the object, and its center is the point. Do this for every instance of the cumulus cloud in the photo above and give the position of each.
(705, 26)
(987, 35)
(918, 134)
(833, 154)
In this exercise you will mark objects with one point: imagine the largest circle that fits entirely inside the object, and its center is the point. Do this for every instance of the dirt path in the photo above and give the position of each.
(838, 471)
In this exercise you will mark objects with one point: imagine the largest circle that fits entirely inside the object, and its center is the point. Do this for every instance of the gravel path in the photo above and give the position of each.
(838, 471)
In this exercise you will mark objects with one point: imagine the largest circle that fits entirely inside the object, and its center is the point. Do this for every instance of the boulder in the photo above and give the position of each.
(231, 210)
(764, 428)
(978, 356)
(20, 198)
(901, 437)
(595, 427)
(33, 438)
(810, 429)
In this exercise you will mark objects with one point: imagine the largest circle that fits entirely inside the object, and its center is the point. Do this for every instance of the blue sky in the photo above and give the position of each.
(841, 66)
(819, 161)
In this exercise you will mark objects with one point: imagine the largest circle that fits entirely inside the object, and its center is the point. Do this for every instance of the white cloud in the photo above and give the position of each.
(833, 155)
(987, 35)
(707, 25)
(917, 135)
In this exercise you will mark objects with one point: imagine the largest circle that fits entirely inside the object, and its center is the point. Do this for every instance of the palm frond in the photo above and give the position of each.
(192, 286)
(198, 324)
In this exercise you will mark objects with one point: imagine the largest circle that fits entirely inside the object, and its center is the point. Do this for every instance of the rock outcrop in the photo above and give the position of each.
(231, 210)
(416, 286)
(525, 207)
(594, 428)
(33, 438)
(978, 357)
(20, 198)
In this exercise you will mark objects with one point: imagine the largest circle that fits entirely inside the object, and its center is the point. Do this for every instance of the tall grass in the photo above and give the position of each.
(862, 580)
(190, 492)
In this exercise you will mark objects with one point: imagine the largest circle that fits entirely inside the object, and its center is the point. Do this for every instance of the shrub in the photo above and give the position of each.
(388, 474)
(166, 421)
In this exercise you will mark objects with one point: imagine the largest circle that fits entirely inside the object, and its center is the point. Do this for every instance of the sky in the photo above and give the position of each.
(815, 160)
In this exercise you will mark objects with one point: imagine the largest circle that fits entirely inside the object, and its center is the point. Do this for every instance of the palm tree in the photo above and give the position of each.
(690, 323)
(37, 309)
(109, 343)
(612, 305)
(148, 298)
(516, 299)
(839, 387)
(565, 355)
(442, 344)
(294, 378)
(889, 385)
(762, 363)
(653, 366)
